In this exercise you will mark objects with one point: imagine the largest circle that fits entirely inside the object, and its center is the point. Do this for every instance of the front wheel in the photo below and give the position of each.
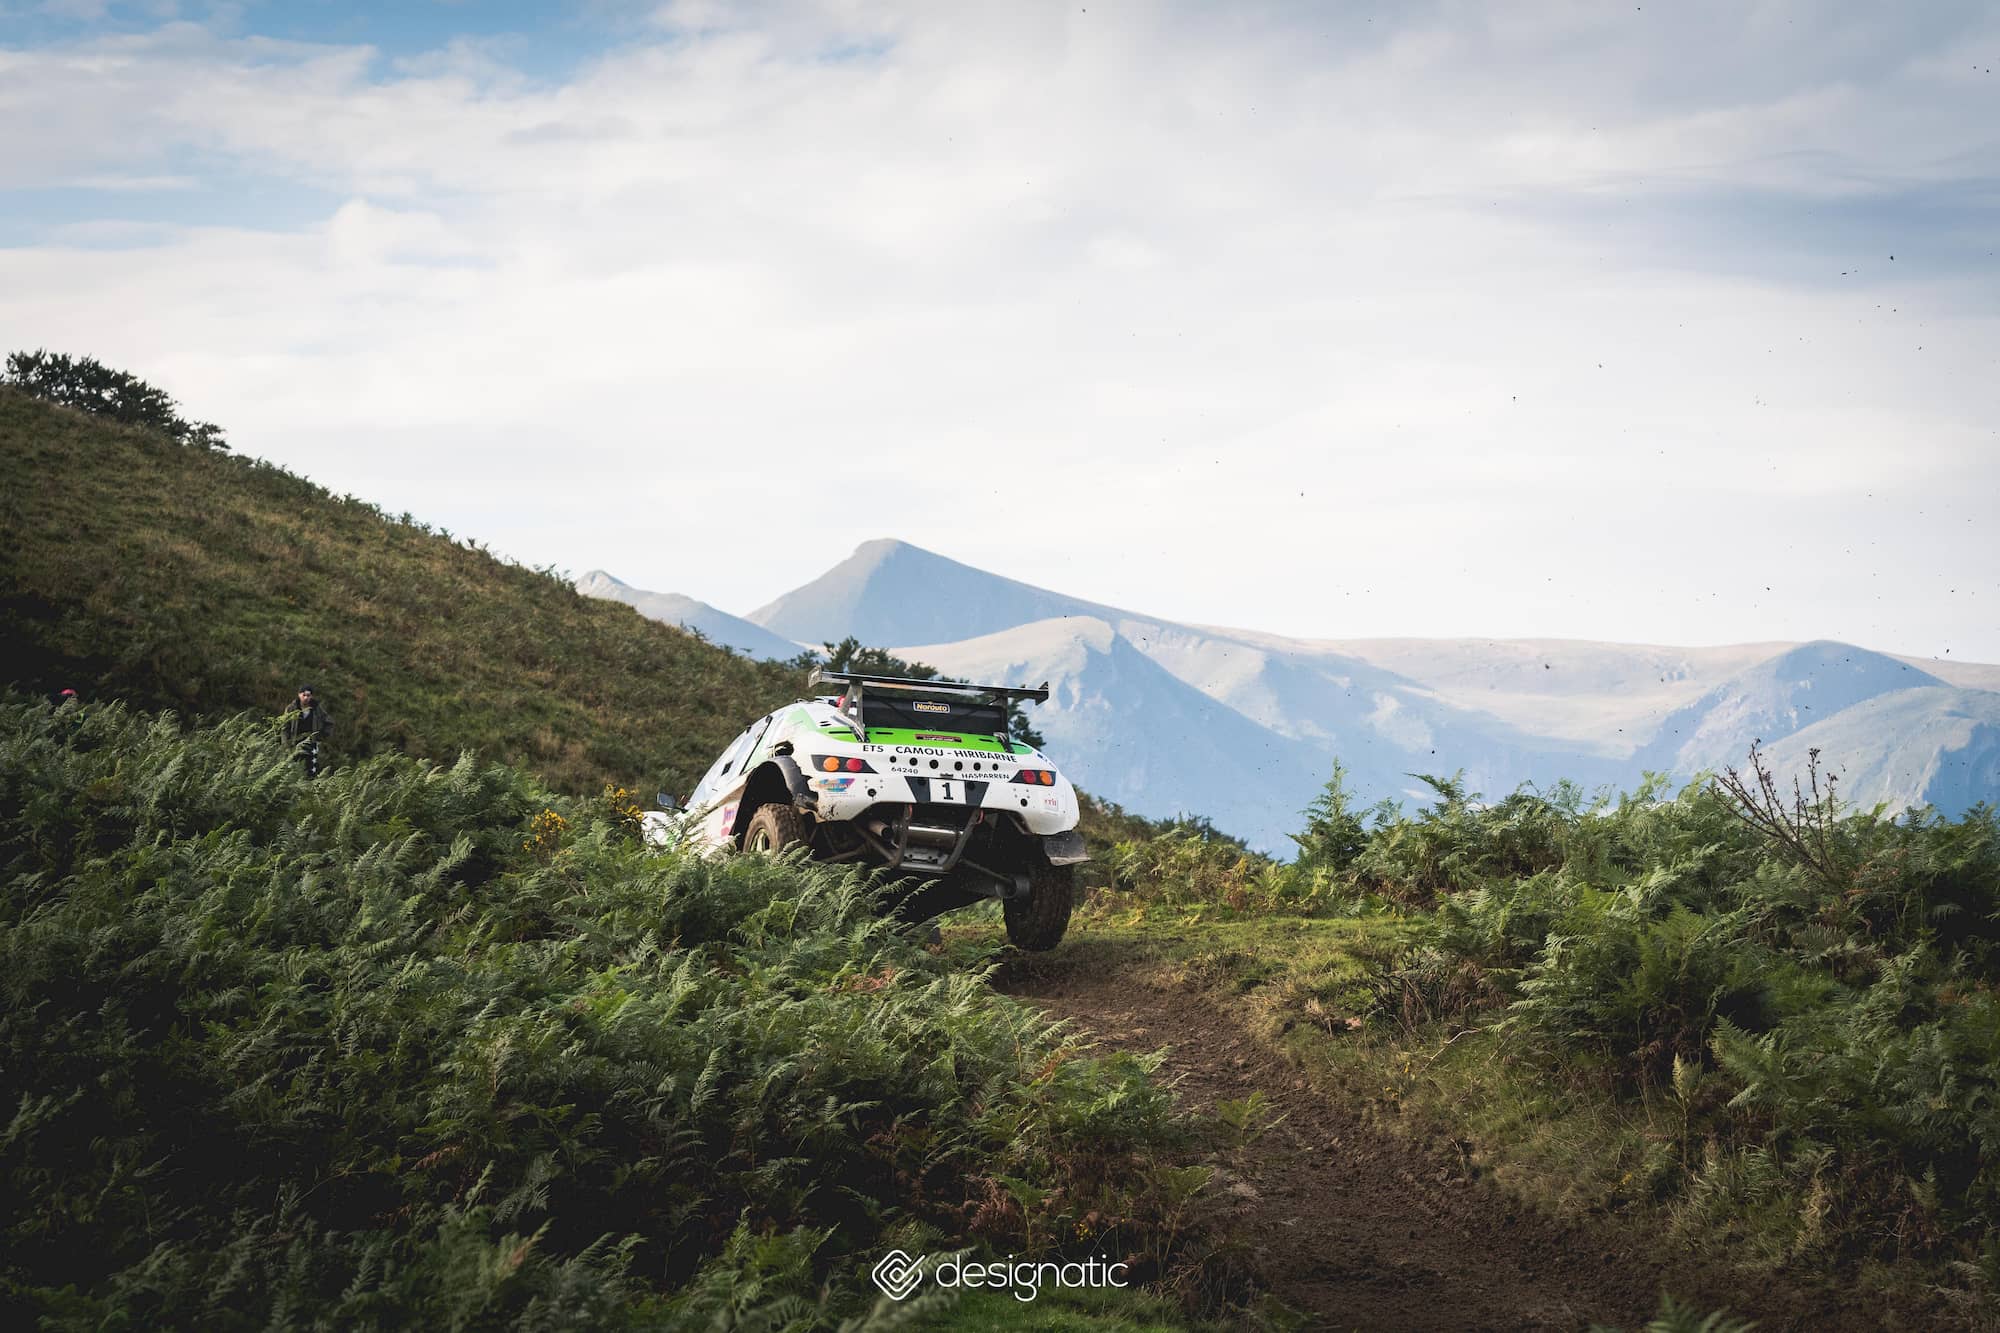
(774, 828)
(1037, 922)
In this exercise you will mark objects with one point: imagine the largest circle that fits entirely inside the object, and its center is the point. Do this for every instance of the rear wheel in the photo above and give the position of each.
(1037, 921)
(774, 828)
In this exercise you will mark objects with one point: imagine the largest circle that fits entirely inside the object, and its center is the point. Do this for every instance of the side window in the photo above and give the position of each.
(751, 739)
(728, 770)
(716, 779)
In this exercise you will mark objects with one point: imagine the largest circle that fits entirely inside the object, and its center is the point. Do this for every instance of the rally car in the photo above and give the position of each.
(918, 777)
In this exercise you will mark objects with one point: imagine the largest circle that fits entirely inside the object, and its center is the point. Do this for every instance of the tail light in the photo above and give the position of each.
(1036, 777)
(833, 763)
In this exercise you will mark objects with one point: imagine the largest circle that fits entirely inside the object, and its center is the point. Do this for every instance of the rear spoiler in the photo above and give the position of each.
(822, 676)
(856, 683)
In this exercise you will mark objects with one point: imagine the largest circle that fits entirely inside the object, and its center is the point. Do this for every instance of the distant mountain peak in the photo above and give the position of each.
(1775, 698)
(1828, 665)
(892, 592)
(1833, 655)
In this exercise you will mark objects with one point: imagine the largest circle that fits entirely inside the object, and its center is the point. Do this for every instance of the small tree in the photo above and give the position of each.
(1334, 834)
(87, 384)
(850, 654)
(1806, 824)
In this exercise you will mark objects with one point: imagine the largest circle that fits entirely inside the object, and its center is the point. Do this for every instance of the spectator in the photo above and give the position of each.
(307, 727)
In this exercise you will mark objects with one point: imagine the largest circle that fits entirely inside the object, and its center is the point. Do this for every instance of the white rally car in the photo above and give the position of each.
(915, 776)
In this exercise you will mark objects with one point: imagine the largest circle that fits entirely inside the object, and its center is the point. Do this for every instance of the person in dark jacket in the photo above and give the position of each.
(307, 727)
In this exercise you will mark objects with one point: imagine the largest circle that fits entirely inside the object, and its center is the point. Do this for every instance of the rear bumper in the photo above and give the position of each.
(1044, 810)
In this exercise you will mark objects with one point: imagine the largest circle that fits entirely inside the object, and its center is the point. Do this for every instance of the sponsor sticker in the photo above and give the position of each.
(833, 784)
(926, 706)
(927, 736)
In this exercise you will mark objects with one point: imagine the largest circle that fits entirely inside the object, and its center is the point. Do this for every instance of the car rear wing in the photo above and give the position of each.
(855, 684)
(851, 679)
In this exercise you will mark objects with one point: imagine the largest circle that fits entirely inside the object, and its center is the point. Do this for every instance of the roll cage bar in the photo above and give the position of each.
(854, 684)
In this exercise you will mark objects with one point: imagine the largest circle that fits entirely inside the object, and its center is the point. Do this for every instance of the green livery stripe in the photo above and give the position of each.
(952, 740)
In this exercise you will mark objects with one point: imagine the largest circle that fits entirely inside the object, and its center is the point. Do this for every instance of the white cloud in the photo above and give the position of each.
(1091, 297)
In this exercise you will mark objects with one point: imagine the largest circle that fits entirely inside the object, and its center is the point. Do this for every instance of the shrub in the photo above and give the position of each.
(1190, 866)
(1828, 978)
(1335, 833)
(89, 385)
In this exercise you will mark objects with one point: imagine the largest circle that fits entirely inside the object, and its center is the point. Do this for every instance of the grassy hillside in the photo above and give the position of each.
(135, 567)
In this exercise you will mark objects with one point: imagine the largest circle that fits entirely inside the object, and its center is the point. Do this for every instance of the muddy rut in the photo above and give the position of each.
(1359, 1229)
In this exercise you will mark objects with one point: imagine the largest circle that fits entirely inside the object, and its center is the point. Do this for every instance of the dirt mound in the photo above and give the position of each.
(1359, 1229)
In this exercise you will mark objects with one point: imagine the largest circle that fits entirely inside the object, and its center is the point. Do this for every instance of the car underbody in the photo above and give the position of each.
(973, 854)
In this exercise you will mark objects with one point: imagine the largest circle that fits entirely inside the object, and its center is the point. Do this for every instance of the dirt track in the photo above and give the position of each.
(1359, 1229)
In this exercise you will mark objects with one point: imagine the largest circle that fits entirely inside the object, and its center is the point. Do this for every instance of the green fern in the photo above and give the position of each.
(289, 1052)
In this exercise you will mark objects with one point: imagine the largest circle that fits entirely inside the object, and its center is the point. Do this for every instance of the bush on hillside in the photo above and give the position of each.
(1838, 1038)
(1335, 833)
(87, 384)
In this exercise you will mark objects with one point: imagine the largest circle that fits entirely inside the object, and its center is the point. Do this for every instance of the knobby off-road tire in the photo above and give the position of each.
(1037, 922)
(773, 829)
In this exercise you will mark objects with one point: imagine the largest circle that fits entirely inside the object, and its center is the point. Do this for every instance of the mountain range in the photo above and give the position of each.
(752, 640)
(1243, 726)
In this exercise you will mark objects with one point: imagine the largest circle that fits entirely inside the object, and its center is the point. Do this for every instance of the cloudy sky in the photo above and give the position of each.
(1664, 322)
